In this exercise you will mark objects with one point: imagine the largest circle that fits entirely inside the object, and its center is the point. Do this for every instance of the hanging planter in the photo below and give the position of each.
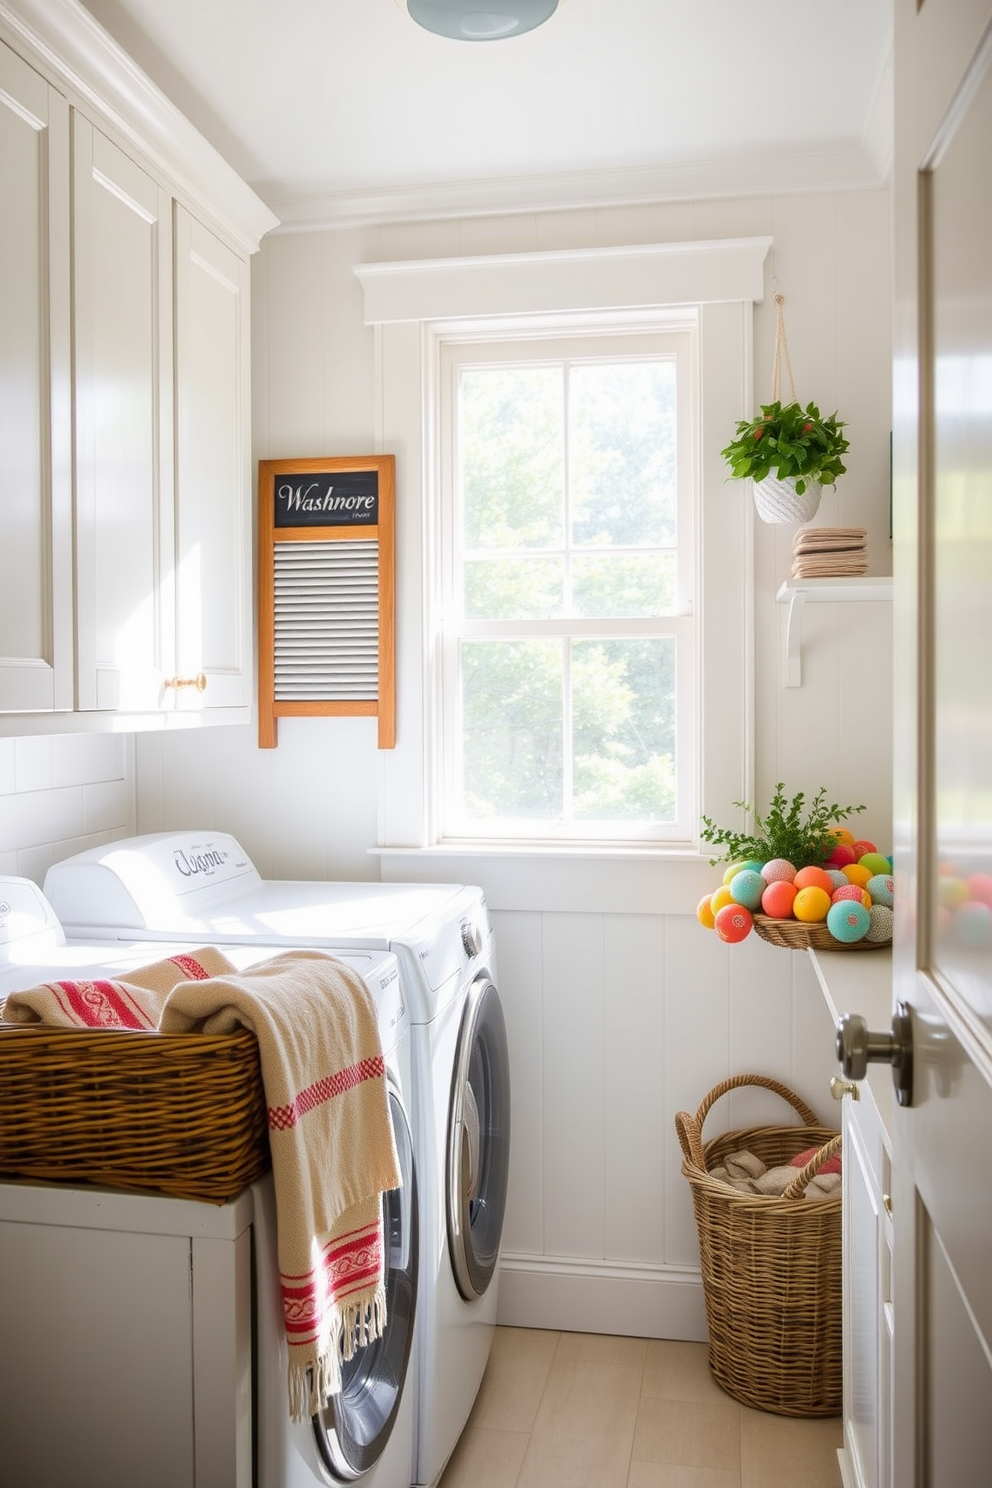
(779, 501)
(788, 452)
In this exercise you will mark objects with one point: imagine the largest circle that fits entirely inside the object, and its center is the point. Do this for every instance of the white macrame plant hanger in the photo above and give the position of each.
(777, 500)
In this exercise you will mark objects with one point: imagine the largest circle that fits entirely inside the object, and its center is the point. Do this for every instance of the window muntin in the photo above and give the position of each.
(567, 638)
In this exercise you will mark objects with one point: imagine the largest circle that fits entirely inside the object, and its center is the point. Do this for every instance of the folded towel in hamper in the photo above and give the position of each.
(333, 1153)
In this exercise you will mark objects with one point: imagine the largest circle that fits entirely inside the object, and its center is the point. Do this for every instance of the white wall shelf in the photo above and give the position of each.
(797, 593)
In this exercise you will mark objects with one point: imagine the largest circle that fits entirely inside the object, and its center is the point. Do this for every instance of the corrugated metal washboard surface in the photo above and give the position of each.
(326, 620)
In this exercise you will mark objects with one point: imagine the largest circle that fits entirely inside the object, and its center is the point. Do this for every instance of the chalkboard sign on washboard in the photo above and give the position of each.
(326, 592)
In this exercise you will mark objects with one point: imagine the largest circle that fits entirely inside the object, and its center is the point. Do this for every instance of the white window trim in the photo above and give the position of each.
(413, 307)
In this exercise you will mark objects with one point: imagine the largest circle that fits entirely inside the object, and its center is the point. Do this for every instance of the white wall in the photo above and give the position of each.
(60, 795)
(621, 1009)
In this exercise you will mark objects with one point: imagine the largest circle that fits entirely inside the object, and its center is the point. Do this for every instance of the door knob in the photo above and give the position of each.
(857, 1048)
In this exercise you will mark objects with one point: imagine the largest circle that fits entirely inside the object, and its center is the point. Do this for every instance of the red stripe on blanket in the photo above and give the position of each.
(195, 970)
(283, 1118)
(100, 1005)
(346, 1267)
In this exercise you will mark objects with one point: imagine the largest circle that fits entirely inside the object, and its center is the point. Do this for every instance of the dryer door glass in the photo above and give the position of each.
(478, 1141)
(354, 1427)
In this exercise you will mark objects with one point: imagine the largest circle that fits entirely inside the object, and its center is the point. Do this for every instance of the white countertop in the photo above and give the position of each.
(861, 982)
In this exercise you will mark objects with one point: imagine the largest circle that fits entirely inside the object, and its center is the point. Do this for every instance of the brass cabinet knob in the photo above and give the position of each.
(839, 1088)
(199, 682)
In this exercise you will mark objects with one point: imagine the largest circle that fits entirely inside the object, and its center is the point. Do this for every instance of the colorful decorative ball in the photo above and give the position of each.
(837, 877)
(720, 897)
(882, 919)
(854, 873)
(733, 922)
(778, 899)
(980, 887)
(734, 868)
(848, 921)
(747, 888)
(875, 862)
(842, 835)
(704, 912)
(778, 870)
(973, 924)
(842, 854)
(852, 894)
(952, 892)
(811, 904)
(863, 846)
(809, 878)
(882, 889)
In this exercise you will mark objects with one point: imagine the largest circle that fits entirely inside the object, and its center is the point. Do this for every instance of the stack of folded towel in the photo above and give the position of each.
(829, 552)
(748, 1174)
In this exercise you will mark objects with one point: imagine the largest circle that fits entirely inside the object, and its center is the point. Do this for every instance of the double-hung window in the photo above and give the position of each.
(568, 545)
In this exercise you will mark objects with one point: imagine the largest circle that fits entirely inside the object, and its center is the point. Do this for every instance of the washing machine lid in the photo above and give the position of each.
(202, 886)
(33, 949)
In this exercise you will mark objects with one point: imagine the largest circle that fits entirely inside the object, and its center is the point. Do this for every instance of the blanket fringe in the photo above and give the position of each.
(312, 1382)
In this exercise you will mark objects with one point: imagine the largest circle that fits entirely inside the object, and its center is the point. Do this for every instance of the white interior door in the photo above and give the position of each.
(942, 1161)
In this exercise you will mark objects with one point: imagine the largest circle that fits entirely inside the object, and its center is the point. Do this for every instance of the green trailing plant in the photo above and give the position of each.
(784, 832)
(788, 440)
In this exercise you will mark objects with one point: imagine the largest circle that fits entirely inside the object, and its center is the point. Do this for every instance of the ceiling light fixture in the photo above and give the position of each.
(473, 20)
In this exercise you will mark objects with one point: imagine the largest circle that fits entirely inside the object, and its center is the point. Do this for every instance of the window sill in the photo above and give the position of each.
(579, 879)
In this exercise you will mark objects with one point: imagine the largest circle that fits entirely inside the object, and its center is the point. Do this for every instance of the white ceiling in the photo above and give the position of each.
(345, 110)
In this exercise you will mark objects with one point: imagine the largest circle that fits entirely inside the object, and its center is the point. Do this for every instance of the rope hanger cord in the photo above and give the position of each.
(781, 354)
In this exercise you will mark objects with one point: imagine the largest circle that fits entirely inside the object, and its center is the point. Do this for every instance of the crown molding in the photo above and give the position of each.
(847, 167)
(74, 52)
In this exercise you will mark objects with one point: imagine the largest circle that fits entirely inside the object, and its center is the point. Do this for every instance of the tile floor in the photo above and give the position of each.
(579, 1410)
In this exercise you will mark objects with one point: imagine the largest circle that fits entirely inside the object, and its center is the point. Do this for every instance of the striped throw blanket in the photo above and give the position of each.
(333, 1153)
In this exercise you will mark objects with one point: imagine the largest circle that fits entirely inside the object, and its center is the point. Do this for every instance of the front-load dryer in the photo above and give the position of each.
(142, 1335)
(203, 886)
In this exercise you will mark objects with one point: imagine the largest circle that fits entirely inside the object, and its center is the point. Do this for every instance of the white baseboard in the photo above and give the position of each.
(589, 1297)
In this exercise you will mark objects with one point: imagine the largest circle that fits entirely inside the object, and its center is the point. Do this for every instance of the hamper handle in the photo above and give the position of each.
(690, 1128)
(797, 1187)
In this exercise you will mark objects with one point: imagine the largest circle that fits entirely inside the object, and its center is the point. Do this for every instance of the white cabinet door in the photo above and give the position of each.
(35, 406)
(867, 1294)
(122, 275)
(213, 482)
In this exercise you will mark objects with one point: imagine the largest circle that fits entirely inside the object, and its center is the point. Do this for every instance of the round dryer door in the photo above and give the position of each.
(353, 1428)
(478, 1141)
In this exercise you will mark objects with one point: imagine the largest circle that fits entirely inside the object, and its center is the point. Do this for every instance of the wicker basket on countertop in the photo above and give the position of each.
(180, 1114)
(771, 1266)
(799, 935)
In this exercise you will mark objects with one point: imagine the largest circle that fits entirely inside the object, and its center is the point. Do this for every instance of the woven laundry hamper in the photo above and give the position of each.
(771, 1266)
(181, 1114)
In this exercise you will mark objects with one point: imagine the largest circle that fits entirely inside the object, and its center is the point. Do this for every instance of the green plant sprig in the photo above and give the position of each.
(784, 832)
(791, 441)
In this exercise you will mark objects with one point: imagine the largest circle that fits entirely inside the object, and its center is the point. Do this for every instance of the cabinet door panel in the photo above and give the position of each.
(122, 272)
(213, 490)
(35, 433)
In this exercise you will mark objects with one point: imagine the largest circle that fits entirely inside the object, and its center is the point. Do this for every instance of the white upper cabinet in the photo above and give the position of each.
(212, 536)
(122, 273)
(125, 570)
(35, 402)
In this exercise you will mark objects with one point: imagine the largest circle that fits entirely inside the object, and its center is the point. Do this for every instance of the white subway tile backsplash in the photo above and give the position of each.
(33, 764)
(85, 759)
(8, 775)
(60, 794)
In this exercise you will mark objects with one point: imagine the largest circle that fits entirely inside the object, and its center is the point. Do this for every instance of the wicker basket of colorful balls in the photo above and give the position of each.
(801, 879)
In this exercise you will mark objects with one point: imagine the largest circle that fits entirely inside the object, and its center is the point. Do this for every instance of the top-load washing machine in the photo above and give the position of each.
(141, 1336)
(203, 886)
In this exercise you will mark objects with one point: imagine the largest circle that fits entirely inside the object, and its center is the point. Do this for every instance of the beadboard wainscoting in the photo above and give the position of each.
(60, 795)
(615, 1022)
